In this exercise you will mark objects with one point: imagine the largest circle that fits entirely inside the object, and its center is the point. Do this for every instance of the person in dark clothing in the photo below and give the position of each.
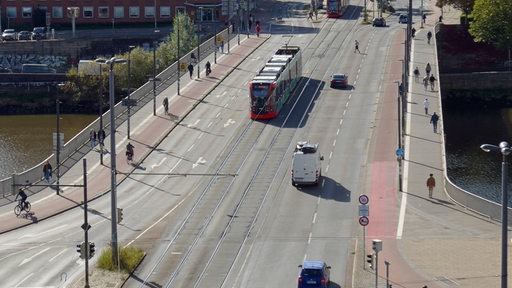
(101, 136)
(208, 67)
(434, 120)
(47, 171)
(23, 198)
(190, 69)
(166, 105)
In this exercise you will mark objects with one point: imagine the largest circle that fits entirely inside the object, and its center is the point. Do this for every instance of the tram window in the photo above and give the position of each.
(260, 91)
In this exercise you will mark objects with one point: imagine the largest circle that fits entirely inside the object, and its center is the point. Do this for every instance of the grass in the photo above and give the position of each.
(129, 258)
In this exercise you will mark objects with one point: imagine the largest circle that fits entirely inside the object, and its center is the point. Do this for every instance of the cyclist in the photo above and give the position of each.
(208, 68)
(23, 197)
(129, 150)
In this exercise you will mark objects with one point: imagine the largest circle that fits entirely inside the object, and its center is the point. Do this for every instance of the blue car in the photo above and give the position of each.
(314, 274)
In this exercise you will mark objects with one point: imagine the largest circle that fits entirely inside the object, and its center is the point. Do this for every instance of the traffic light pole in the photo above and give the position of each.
(86, 229)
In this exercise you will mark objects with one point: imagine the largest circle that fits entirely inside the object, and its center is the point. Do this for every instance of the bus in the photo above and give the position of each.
(335, 8)
(274, 83)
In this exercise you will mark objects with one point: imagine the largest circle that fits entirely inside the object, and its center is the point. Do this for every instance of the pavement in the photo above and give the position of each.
(427, 242)
(433, 242)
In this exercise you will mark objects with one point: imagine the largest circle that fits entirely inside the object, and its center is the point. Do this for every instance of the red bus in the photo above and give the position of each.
(274, 83)
(335, 8)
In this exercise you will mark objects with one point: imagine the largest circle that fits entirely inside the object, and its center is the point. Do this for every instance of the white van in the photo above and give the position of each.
(306, 164)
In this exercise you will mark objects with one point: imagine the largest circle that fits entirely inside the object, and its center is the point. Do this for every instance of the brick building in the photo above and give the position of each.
(25, 14)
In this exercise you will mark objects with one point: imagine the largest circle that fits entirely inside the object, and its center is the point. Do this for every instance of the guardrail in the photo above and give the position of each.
(142, 95)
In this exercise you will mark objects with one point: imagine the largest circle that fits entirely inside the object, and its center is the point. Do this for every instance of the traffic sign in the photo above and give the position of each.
(363, 221)
(399, 153)
(363, 199)
(364, 210)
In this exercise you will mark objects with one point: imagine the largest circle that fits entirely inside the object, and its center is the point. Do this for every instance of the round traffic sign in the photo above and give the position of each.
(363, 199)
(363, 220)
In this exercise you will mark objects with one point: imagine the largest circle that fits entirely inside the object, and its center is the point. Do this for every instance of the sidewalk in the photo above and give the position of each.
(147, 131)
(441, 243)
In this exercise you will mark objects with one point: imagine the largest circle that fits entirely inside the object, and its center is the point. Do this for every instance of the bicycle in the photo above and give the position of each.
(20, 208)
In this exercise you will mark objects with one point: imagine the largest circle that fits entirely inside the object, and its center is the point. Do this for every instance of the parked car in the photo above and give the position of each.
(379, 22)
(403, 18)
(339, 80)
(39, 33)
(314, 274)
(24, 35)
(9, 35)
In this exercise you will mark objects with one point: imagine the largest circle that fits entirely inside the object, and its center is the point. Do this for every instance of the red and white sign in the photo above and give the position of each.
(363, 199)
(363, 221)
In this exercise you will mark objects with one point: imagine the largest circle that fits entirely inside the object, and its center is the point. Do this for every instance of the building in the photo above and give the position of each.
(25, 14)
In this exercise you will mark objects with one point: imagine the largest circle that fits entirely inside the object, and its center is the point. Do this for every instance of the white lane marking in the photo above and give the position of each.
(44, 232)
(26, 260)
(55, 257)
(194, 124)
(159, 163)
(314, 218)
(190, 148)
(199, 161)
(229, 122)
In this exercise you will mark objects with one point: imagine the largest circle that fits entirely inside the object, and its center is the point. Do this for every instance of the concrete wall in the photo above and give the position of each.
(477, 80)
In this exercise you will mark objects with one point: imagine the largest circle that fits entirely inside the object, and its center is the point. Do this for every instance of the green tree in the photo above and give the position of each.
(492, 23)
(168, 51)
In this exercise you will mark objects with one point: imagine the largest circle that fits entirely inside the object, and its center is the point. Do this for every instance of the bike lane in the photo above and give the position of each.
(146, 135)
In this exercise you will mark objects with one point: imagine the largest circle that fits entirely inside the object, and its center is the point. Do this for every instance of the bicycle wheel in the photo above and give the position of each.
(17, 210)
(27, 206)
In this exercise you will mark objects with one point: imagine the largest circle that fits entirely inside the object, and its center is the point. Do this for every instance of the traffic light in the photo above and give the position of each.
(369, 259)
(119, 215)
(80, 248)
(92, 249)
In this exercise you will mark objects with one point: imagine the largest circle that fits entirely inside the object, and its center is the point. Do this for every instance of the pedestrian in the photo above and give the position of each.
(425, 82)
(92, 138)
(431, 80)
(193, 58)
(258, 29)
(426, 104)
(434, 120)
(222, 46)
(208, 67)
(310, 14)
(166, 105)
(413, 32)
(424, 17)
(356, 47)
(441, 18)
(47, 171)
(428, 69)
(429, 36)
(431, 183)
(190, 69)
(416, 74)
(101, 136)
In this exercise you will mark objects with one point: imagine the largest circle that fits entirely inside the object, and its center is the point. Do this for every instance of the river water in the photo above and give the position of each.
(25, 141)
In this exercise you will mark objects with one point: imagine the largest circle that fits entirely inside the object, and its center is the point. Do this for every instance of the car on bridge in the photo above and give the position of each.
(9, 35)
(314, 274)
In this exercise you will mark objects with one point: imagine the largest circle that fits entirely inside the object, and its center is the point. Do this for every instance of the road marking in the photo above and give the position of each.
(58, 254)
(229, 122)
(44, 232)
(159, 163)
(199, 161)
(26, 260)
(194, 124)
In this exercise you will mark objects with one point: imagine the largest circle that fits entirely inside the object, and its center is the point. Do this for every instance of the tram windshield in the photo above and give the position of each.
(260, 90)
(333, 6)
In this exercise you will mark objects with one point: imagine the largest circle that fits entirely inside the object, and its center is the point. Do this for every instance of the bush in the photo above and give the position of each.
(129, 258)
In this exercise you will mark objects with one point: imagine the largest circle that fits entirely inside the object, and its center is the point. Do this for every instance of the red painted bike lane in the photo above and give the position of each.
(384, 199)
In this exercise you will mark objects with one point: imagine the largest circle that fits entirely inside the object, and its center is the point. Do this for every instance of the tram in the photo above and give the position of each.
(335, 8)
(274, 83)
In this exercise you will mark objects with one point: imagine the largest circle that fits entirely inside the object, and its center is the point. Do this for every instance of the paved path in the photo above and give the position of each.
(440, 243)
(147, 131)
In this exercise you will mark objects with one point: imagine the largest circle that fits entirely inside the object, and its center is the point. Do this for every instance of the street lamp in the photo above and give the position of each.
(154, 79)
(199, 20)
(73, 13)
(505, 150)
(57, 152)
(130, 48)
(113, 184)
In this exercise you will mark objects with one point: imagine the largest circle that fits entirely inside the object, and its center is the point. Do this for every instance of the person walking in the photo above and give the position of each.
(426, 104)
(193, 58)
(92, 138)
(310, 15)
(356, 47)
(190, 69)
(47, 171)
(208, 67)
(416, 74)
(431, 183)
(166, 105)
(101, 136)
(258, 29)
(428, 69)
(429, 36)
(434, 120)
(432, 79)
(425, 82)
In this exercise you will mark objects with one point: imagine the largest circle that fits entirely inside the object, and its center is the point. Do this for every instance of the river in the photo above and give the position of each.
(25, 141)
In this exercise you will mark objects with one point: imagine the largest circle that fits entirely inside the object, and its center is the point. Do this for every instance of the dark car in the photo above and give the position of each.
(339, 80)
(39, 33)
(403, 18)
(314, 274)
(379, 22)
(24, 35)
(9, 35)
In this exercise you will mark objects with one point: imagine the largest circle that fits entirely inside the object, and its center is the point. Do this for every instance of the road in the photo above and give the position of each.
(213, 204)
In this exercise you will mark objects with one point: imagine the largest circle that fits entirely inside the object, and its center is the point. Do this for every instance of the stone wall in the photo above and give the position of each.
(476, 80)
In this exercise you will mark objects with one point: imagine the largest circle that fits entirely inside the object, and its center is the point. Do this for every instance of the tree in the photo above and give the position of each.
(188, 40)
(492, 23)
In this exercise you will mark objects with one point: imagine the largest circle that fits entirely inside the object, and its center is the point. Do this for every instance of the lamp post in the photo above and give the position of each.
(73, 13)
(130, 48)
(154, 4)
(178, 52)
(57, 149)
(505, 150)
(113, 185)
(154, 78)
(199, 20)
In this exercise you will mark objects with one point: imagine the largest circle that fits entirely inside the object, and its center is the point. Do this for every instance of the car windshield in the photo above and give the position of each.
(338, 77)
(311, 272)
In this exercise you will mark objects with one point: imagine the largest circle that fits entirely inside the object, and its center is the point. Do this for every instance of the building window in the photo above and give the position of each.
(103, 12)
(119, 12)
(57, 12)
(88, 12)
(165, 12)
(26, 12)
(149, 12)
(11, 12)
(134, 12)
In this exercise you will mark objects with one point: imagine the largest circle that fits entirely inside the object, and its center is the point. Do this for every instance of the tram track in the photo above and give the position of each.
(237, 231)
